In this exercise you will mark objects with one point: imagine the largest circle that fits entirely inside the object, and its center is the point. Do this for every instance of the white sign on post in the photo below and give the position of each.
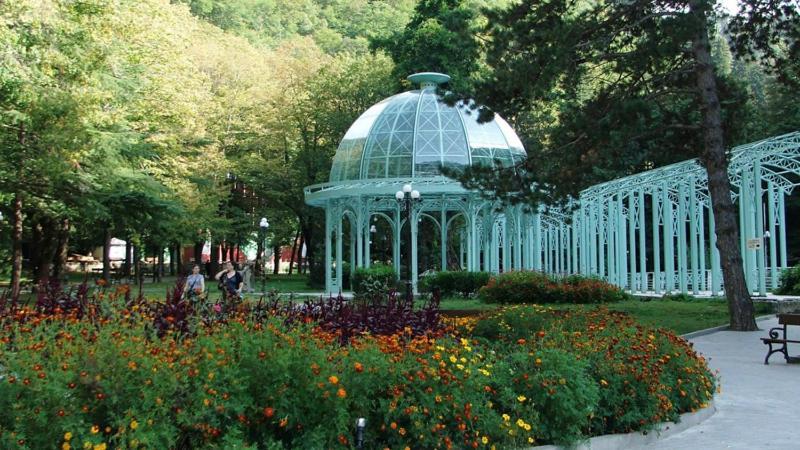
(754, 244)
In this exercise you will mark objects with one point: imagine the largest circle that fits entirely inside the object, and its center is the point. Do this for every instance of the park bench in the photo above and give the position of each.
(778, 341)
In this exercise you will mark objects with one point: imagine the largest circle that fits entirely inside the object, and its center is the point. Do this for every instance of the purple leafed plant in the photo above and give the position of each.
(174, 314)
(348, 318)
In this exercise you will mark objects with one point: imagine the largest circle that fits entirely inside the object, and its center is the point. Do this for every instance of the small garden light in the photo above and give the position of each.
(361, 424)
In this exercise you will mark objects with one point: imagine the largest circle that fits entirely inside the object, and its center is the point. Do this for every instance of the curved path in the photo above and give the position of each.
(759, 406)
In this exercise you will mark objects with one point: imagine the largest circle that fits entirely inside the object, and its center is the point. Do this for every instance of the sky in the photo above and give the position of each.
(730, 6)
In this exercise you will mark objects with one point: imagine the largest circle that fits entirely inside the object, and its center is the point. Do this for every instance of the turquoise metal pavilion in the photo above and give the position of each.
(650, 232)
(407, 139)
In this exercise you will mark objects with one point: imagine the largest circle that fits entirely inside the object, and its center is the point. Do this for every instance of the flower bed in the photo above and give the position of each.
(537, 287)
(99, 376)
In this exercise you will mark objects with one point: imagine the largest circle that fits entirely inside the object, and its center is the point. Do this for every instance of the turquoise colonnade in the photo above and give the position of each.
(654, 231)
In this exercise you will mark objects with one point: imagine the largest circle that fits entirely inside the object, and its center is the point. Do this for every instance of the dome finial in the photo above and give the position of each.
(429, 79)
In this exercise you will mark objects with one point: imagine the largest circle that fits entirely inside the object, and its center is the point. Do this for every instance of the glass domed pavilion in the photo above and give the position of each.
(407, 139)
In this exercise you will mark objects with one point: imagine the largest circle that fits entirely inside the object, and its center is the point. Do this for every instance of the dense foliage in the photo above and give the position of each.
(790, 282)
(517, 377)
(538, 287)
(375, 281)
(450, 283)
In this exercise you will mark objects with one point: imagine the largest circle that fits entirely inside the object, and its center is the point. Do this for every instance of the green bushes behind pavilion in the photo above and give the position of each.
(538, 287)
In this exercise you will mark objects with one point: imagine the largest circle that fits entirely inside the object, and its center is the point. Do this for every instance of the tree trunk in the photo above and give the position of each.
(213, 260)
(179, 259)
(16, 245)
(107, 253)
(198, 253)
(35, 254)
(155, 264)
(173, 251)
(294, 250)
(62, 249)
(128, 257)
(740, 305)
(137, 265)
(48, 240)
(300, 269)
(276, 257)
(160, 263)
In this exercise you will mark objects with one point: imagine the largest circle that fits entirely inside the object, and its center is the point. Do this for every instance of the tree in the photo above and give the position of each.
(632, 82)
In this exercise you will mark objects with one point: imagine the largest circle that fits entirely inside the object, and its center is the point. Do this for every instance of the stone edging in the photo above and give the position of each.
(699, 333)
(639, 439)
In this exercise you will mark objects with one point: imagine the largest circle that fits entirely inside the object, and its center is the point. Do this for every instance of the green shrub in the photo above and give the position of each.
(538, 287)
(790, 282)
(453, 283)
(373, 281)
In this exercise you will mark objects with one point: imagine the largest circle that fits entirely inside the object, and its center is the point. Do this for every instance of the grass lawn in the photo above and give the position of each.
(679, 316)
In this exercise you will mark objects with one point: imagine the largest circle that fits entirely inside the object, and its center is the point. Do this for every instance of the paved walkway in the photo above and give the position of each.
(759, 407)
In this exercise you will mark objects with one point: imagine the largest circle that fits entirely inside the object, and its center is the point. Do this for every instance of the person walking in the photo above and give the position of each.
(230, 281)
(195, 285)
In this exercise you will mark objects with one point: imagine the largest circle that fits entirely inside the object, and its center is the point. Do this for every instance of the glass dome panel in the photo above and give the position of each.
(440, 139)
(388, 150)
(416, 134)
(347, 160)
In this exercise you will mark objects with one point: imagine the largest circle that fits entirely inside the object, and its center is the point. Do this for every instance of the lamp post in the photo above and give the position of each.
(263, 225)
(764, 255)
(406, 199)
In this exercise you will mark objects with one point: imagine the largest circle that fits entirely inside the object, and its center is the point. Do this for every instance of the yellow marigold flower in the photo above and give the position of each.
(522, 398)
(65, 446)
(67, 436)
(484, 440)
(101, 446)
(453, 359)
(530, 440)
(527, 427)
(520, 423)
(506, 417)
(134, 424)
(95, 429)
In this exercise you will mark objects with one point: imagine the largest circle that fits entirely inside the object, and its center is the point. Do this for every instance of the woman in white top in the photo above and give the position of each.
(195, 284)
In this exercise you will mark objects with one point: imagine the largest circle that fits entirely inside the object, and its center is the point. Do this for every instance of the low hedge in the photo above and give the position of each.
(376, 280)
(449, 283)
(537, 287)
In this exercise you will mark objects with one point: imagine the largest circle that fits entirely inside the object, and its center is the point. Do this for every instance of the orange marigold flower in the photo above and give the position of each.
(333, 379)
(358, 367)
(269, 412)
(341, 393)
